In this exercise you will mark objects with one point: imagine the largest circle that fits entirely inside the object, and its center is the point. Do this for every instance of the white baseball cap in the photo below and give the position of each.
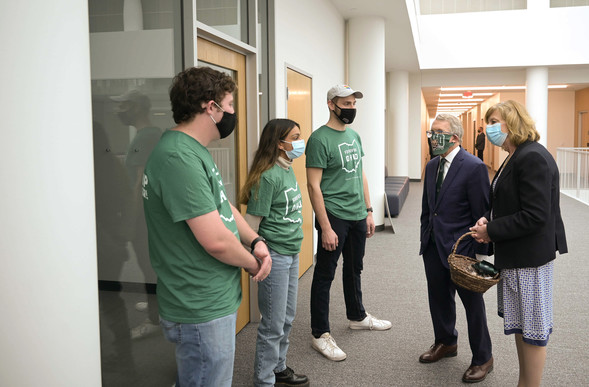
(342, 91)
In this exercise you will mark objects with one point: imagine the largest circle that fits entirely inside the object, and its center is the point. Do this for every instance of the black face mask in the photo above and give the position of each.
(346, 115)
(227, 123)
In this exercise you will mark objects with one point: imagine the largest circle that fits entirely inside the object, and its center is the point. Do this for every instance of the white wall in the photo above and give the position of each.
(534, 37)
(49, 334)
(310, 36)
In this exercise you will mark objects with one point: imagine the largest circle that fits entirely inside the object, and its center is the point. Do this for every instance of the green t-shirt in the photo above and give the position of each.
(339, 154)
(181, 181)
(278, 200)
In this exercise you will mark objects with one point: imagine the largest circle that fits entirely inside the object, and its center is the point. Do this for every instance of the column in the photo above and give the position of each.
(132, 15)
(48, 282)
(417, 127)
(537, 99)
(366, 71)
(398, 124)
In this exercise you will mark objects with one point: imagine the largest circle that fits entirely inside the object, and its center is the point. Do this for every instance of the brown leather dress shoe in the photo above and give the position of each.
(438, 351)
(477, 373)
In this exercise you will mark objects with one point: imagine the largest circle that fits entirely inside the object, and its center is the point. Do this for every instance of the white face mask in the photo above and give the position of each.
(298, 148)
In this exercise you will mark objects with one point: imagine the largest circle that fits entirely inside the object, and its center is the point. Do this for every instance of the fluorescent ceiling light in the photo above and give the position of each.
(482, 88)
(459, 104)
(461, 100)
(460, 95)
(471, 88)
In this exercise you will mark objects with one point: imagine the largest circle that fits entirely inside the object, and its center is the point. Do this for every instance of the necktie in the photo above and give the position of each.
(440, 176)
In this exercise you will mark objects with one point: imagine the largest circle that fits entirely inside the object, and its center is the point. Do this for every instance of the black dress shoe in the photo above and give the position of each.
(288, 378)
(437, 352)
(477, 373)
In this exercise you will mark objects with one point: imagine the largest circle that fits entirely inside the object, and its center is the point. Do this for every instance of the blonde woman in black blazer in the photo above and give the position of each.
(526, 228)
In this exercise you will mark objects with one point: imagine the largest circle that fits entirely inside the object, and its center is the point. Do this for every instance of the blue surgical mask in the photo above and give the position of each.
(298, 148)
(495, 135)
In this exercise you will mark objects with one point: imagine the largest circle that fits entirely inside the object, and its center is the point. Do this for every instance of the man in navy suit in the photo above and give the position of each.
(455, 196)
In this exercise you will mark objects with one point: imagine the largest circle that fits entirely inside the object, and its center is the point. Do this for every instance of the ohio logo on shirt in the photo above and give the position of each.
(350, 156)
(222, 195)
(294, 205)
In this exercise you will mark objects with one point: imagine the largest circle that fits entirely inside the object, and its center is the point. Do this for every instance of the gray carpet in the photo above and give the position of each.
(394, 288)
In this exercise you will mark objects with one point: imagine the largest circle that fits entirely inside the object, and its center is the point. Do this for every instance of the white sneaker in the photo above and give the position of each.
(326, 346)
(141, 306)
(372, 323)
(144, 329)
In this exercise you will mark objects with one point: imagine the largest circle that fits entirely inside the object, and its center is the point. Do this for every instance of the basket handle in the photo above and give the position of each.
(459, 239)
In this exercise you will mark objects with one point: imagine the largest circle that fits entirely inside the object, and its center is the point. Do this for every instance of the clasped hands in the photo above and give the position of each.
(480, 231)
(264, 263)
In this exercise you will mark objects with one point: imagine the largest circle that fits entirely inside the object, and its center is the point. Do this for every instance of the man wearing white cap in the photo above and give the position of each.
(134, 110)
(343, 217)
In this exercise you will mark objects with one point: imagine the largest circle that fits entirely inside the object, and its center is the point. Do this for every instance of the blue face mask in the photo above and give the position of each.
(298, 148)
(495, 135)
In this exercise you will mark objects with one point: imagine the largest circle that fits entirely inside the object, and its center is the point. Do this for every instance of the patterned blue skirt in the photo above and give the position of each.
(524, 300)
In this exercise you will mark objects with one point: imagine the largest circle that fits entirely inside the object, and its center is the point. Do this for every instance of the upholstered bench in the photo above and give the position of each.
(396, 189)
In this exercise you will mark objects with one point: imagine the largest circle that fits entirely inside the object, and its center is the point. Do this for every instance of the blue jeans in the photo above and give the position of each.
(352, 242)
(277, 300)
(204, 352)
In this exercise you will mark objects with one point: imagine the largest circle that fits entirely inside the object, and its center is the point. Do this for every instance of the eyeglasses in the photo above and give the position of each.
(430, 133)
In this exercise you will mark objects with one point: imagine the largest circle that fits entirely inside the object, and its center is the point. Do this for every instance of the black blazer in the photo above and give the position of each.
(526, 227)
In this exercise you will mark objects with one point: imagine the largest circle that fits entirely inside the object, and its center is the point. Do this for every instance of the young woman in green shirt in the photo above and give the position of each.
(274, 209)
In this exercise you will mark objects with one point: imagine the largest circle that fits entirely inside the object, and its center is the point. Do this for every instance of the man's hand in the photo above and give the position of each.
(370, 227)
(329, 239)
(262, 255)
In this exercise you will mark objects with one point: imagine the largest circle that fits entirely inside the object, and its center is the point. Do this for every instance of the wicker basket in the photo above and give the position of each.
(464, 275)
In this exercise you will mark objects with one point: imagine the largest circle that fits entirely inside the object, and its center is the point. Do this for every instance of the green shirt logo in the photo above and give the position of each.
(350, 156)
(294, 205)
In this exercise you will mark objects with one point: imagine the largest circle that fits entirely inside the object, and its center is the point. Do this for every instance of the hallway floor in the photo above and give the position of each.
(394, 288)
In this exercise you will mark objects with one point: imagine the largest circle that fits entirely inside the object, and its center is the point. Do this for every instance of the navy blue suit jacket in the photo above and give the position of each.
(463, 199)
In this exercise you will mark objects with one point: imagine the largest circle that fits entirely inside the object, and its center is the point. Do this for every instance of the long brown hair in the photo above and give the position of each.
(267, 154)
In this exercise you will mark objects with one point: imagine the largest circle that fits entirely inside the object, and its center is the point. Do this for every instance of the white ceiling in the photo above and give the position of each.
(400, 51)
(400, 54)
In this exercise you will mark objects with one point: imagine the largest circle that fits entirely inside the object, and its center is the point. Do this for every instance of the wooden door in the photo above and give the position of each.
(299, 110)
(230, 154)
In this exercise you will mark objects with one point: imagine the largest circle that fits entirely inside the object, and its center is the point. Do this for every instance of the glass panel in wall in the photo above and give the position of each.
(263, 60)
(227, 16)
(135, 48)
(224, 149)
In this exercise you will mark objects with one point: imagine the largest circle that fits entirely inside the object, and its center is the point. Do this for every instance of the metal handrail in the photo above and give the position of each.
(573, 165)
